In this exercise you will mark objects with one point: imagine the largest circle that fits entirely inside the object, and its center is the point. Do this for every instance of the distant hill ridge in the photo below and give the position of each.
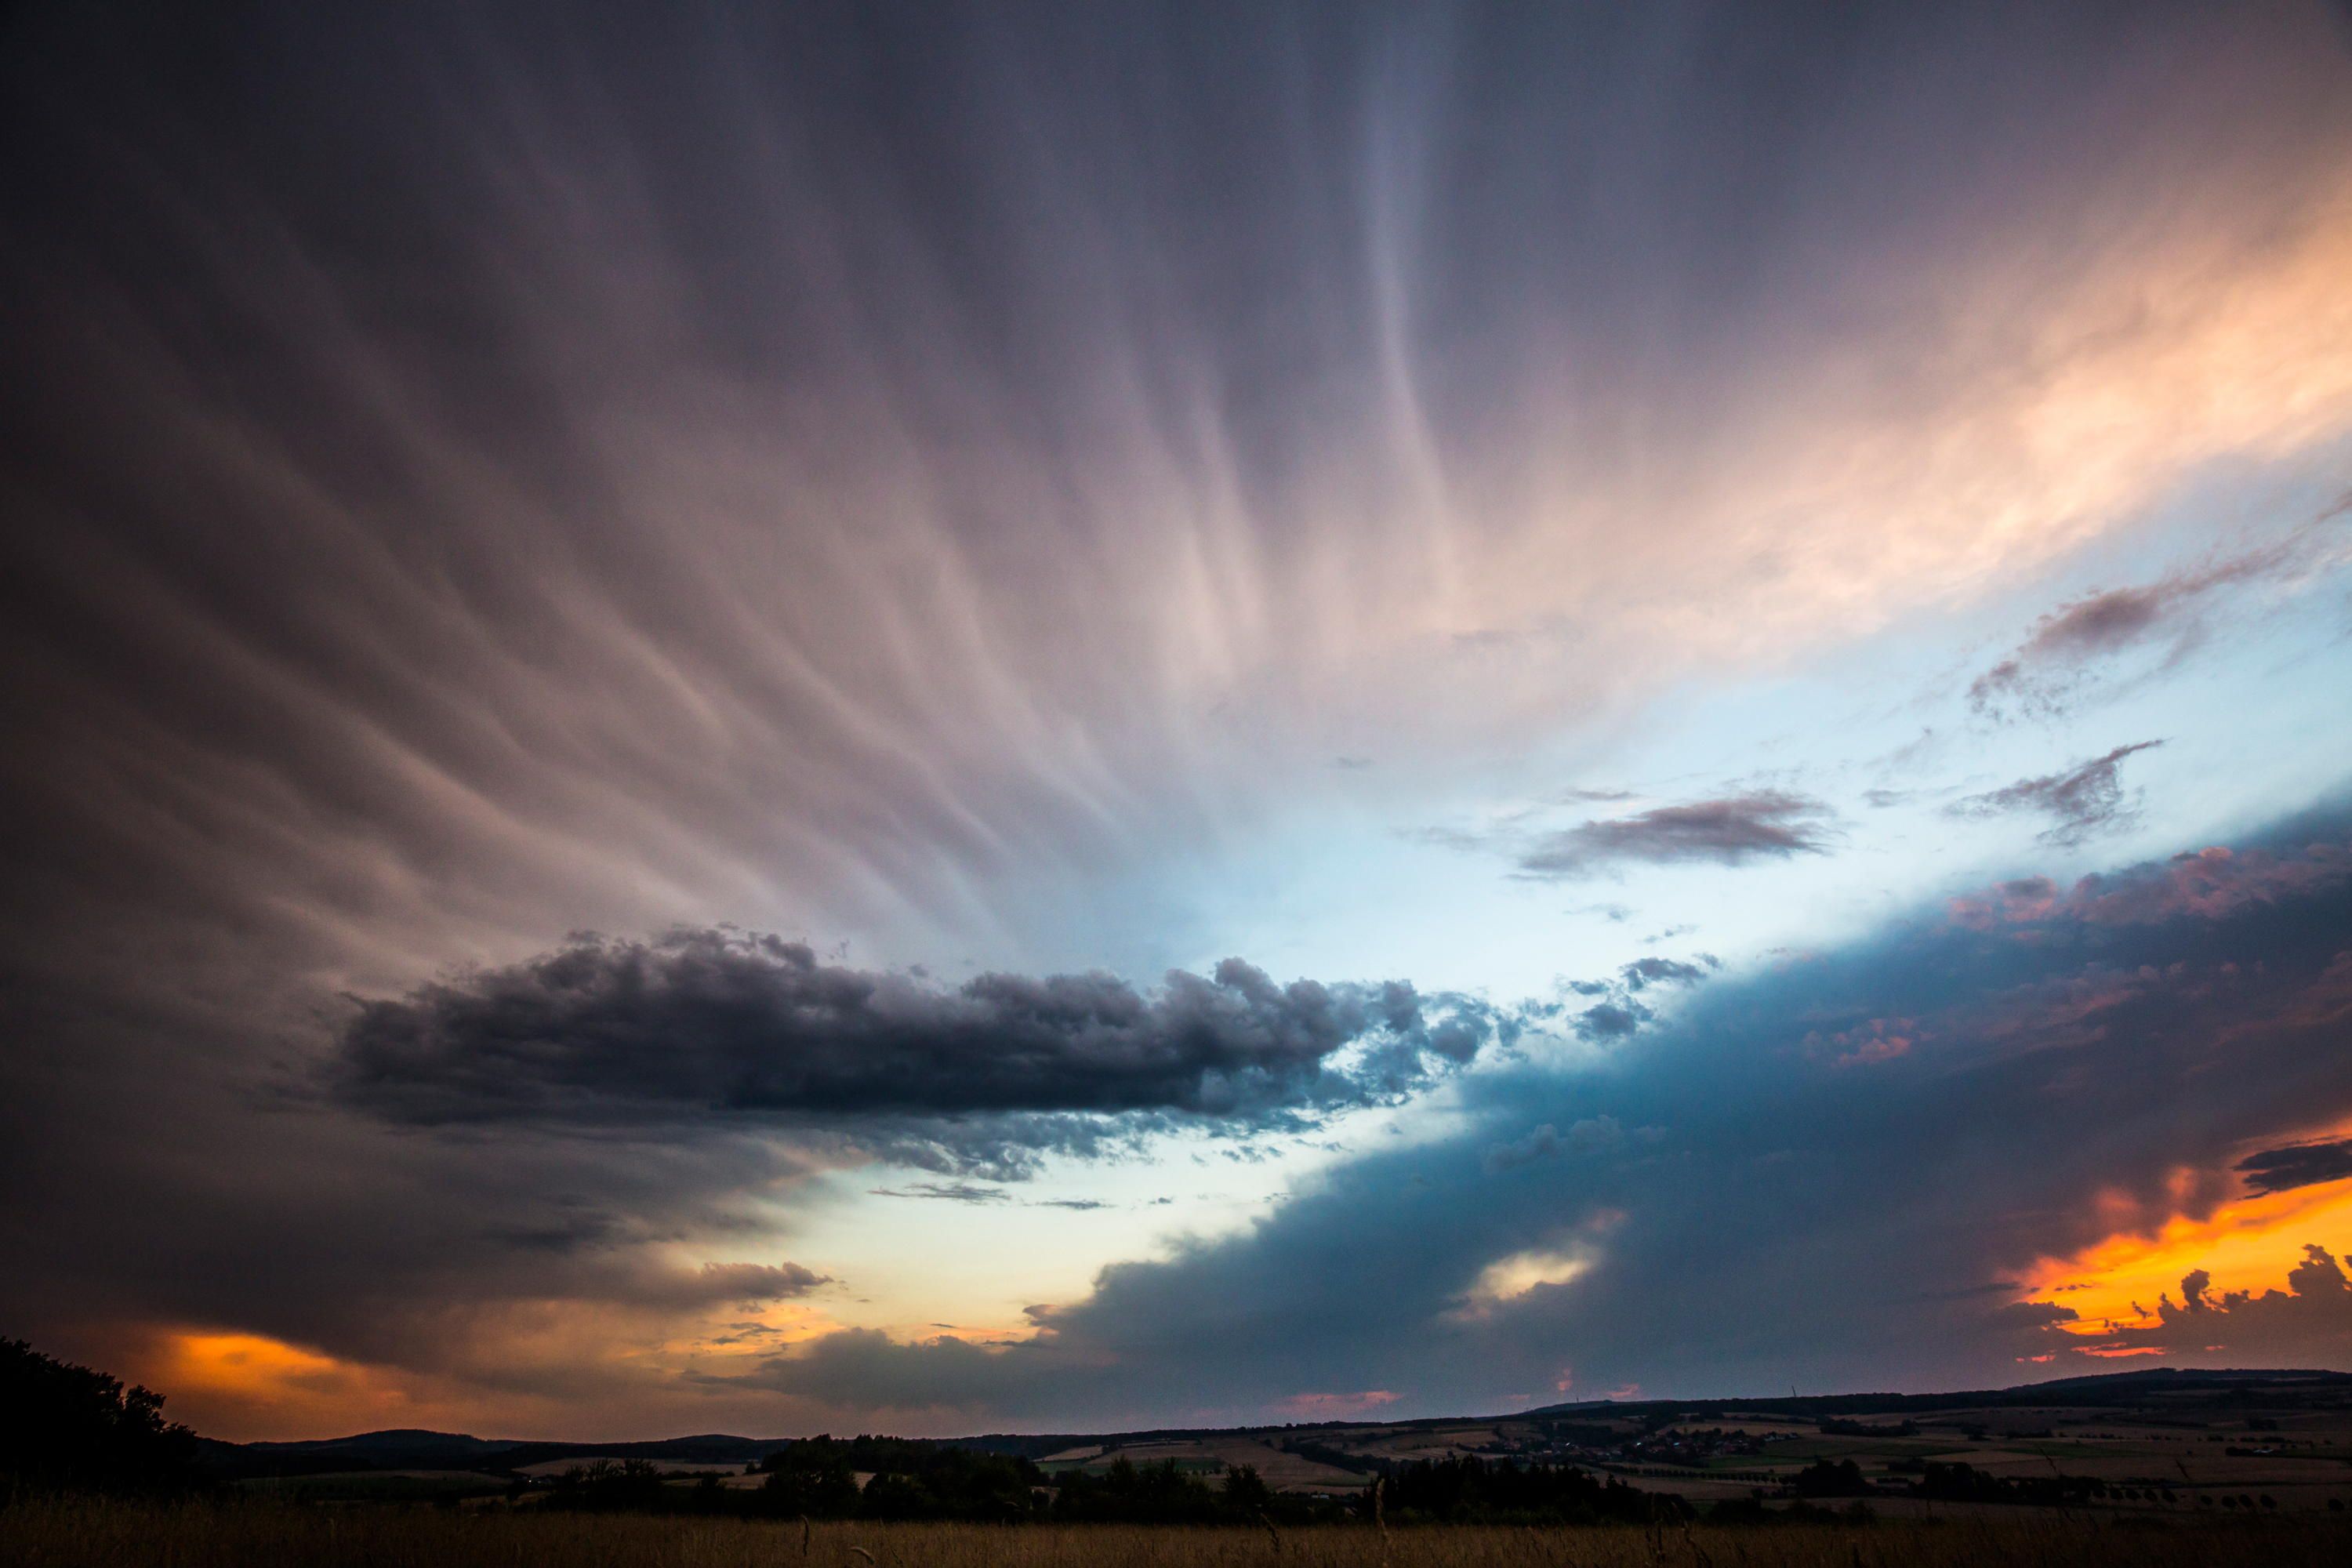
(2094, 1389)
(391, 1437)
(415, 1448)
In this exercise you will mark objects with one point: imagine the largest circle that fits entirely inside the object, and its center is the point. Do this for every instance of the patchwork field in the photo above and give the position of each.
(2144, 1448)
(2174, 1454)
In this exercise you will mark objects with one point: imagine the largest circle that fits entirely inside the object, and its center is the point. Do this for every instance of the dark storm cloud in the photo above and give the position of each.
(2048, 670)
(2214, 883)
(2067, 1063)
(699, 1025)
(1594, 1135)
(2297, 1166)
(1730, 831)
(2082, 801)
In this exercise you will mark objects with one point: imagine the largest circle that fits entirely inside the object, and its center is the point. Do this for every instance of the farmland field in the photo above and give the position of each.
(103, 1534)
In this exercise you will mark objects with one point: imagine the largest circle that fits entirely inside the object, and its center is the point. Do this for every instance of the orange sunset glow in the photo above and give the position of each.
(2247, 1245)
(241, 1381)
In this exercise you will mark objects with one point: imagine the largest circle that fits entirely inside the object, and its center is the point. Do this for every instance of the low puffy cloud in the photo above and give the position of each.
(1611, 1020)
(1619, 1008)
(1732, 830)
(701, 1025)
(749, 1283)
(2297, 1166)
(1644, 972)
(2081, 802)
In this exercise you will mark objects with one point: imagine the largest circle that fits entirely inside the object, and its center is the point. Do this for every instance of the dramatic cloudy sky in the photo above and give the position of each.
(907, 718)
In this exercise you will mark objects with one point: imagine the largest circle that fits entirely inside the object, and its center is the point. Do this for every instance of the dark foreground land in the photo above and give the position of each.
(2150, 1469)
(2143, 1449)
(121, 1534)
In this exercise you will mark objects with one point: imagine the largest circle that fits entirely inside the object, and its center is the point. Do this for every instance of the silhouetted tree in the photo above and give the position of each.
(611, 1484)
(1955, 1481)
(1825, 1478)
(1465, 1491)
(1243, 1493)
(1132, 1494)
(911, 1479)
(68, 1426)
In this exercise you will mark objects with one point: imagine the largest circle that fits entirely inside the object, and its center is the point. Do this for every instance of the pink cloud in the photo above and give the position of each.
(2211, 884)
(1878, 1040)
(1332, 1407)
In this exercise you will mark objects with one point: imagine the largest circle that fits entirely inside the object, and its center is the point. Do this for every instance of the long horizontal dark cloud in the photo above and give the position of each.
(2080, 802)
(945, 1192)
(701, 1024)
(1731, 830)
(2298, 1165)
(745, 1282)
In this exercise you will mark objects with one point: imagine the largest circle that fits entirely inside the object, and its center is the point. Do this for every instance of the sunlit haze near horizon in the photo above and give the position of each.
(939, 718)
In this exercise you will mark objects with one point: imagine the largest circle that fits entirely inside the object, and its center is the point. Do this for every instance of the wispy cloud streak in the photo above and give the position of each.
(2050, 669)
(2081, 802)
(1733, 830)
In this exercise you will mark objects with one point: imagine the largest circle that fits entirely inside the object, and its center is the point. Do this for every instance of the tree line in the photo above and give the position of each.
(67, 1429)
(817, 1478)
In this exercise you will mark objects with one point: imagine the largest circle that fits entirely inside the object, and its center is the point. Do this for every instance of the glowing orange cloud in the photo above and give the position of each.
(230, 1381)
(2243, 1245)
(237, 1385)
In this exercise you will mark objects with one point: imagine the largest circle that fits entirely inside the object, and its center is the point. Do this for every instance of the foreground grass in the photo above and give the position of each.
(81, 1534)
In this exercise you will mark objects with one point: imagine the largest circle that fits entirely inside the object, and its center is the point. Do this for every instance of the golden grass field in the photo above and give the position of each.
(75, 1534)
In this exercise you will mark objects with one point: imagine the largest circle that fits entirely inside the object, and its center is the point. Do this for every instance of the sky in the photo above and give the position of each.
(939, 718)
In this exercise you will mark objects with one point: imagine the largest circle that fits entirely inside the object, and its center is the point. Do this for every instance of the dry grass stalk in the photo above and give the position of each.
(136, 1535)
